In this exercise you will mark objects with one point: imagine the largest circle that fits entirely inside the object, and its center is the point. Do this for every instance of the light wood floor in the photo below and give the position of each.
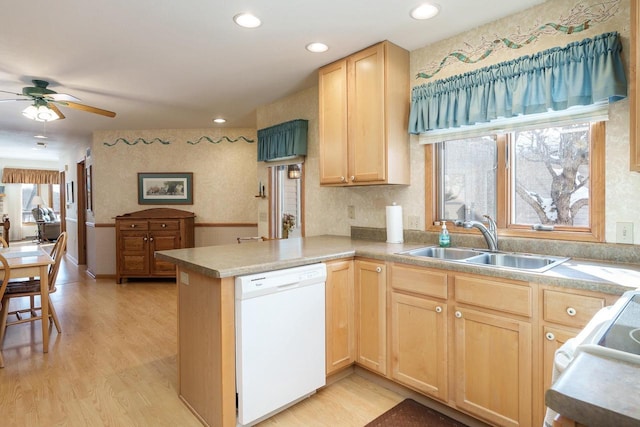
(114, 364)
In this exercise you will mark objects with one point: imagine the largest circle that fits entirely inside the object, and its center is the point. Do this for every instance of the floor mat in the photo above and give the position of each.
(410, 413)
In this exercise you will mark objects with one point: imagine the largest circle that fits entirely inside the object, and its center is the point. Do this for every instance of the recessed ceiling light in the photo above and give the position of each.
(317, 47)
(425, 11)
(219, 120)
(247, 20)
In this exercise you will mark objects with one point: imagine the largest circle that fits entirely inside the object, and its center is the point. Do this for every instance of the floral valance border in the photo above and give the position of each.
(165, 142)
(581, 73)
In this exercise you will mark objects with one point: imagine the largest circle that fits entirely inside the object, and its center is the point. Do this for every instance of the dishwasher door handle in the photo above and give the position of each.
(288, 286)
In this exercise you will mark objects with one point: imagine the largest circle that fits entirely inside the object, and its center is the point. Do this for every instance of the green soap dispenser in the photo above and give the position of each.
(444, 239)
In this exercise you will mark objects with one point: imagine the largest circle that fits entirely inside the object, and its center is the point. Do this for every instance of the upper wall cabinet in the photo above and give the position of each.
(363, 115)
(634, 96)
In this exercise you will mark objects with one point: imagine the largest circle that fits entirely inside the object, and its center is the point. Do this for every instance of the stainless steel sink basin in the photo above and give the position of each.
(511, 260)
(443, 253)
(518, 261)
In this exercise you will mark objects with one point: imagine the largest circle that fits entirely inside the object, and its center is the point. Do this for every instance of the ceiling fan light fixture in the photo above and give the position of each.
(247, 20)
(40, 113)
(425, 11)
(219, 120)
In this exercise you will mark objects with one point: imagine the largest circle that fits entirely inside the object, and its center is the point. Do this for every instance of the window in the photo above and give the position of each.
(50, 193)
(552, 176)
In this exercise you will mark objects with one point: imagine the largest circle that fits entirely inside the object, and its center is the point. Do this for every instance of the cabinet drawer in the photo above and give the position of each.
(164, 225)
(419, 280)
(570, 309)
(508, 297)
(132, 225)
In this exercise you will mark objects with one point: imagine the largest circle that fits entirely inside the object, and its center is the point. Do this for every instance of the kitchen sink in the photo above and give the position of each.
(517, 261)
(443, 253)
(511, 260)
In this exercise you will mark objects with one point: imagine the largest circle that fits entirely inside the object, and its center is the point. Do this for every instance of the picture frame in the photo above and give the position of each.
(69, 193)
(165, 188)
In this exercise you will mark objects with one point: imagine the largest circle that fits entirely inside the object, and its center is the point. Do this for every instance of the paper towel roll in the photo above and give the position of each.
(394, 224)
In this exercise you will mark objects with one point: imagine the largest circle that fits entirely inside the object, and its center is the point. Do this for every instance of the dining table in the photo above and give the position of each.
(27, 261)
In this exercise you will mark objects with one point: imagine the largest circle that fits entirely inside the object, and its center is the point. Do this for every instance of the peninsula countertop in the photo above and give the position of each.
(255, 257)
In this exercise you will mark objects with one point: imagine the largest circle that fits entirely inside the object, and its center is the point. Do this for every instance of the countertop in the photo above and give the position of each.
(598, 392)
(255, 257)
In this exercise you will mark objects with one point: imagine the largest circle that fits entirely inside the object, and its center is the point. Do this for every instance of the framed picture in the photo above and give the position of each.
(88, 189)
(70, 193)
(165, 188)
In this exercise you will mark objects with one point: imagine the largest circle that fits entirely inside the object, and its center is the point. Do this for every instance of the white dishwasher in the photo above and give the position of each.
(280, 339)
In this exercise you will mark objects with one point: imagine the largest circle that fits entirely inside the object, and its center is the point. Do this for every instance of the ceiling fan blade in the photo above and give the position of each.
(88, 108)
(56, 110)
(62, 97)
(22, 99)
(12, 93)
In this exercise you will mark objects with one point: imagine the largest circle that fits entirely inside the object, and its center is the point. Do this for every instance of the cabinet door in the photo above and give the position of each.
(340, 315)
(552, 340)
(134, 253)
(366, 104)
(371, 318)
(419, 344)
(162, 241)
(493, 367)
(332, 92)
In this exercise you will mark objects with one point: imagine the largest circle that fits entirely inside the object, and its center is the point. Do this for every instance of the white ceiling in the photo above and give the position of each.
(167, 64)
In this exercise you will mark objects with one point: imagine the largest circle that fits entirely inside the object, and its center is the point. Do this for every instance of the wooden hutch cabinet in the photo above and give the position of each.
(140, 234)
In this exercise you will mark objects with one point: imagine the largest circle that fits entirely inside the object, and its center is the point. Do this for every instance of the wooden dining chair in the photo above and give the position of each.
(31, 288)
(3, 243)
(5, 280)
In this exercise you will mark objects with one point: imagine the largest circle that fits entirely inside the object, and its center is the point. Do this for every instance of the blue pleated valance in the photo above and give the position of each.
(581, 73)
(287, 139)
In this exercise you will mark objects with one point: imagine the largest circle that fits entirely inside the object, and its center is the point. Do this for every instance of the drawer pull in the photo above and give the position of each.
(571, 311)
(163, 225)
(133, 226)
(550, 336)
(438, 309)
(458, 315)
(378, 269)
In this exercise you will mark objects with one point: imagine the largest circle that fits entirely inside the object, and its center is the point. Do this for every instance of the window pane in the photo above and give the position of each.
(468, 179)
(28, 193)
(55, 203)
(551, 173)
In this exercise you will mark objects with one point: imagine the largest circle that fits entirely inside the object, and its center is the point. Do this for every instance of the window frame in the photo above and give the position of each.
(593, 233)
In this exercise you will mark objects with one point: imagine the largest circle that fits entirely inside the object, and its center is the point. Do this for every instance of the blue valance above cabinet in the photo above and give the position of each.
(285, 140)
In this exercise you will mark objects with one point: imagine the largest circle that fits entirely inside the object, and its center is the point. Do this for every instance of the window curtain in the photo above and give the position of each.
(581, 73)
(30, 176)
(287, 139)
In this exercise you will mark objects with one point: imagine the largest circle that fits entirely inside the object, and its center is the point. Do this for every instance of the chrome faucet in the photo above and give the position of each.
(490, 234)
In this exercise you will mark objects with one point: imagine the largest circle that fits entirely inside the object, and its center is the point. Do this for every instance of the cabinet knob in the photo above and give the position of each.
(145, 239)
(163, 225)
(151, 239)
(571, 311)
(342, 179)
(550, 336)
(458, 314)
(353, 178)
(438, 309)
(132, 226)
(378, 269)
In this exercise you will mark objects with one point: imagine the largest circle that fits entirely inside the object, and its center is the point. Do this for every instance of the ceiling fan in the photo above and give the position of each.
(47, 98)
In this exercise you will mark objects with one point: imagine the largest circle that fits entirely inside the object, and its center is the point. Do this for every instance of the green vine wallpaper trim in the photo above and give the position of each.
(206, 138)
(161, 141)
(581, 17)
(136, 141)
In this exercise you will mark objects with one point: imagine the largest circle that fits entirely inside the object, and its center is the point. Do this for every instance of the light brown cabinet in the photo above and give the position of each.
(140, 234)
(564, 312)
(493, 349)
(340, 315)
(363, 116)
(419, 331)
(371, 314)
